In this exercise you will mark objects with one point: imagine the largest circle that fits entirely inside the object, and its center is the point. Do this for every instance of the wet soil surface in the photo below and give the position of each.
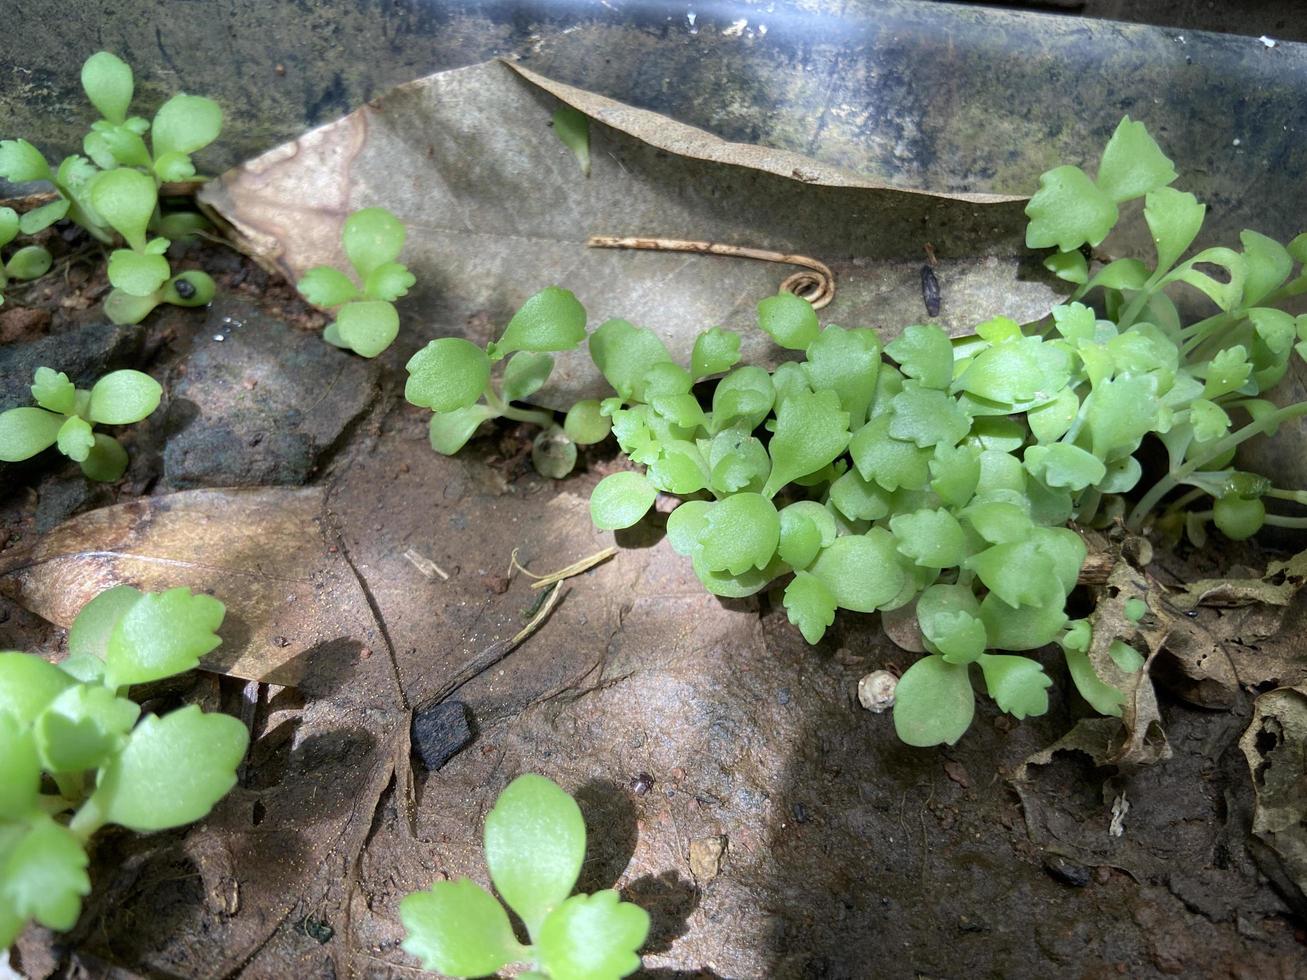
(731, 782)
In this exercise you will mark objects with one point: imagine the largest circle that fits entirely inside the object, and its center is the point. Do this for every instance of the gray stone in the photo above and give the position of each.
(84, 355)
(257, 402)
(439, 732)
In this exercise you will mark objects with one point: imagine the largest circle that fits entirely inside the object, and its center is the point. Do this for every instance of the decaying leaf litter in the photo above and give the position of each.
(758, 755)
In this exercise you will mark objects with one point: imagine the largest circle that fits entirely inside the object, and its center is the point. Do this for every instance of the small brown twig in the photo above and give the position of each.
(816, 284)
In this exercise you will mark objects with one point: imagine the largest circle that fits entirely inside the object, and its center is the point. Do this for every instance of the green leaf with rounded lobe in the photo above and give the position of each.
(684, 525)
(925, 354)
(123, 397)
(173, 166)
(737, 461)
(162, 634)
(368, 326)
(1050, 421)
(789, 319)
(810, 432)
(172, 770)
(459, 929)
(1208, 419)
(585, 424)
(624, 353)
(742, 399)
(999, 521)
(665, 380)
(551, 320)
(29, 262)
(324, 286)
(847, 362)
(1174, 218)
(1119, 412)
(1068, 210)
(184, 124)
(123, 308)
(1102, 697)
(1132, 163)
(593, 937)
(741, 532)
(138, 273)
(931, 538)
(107, 81)
(955, 473)
(535, 844)
(1026, 627)
(111, 145)
(525, 374)
(1064, 465)
(809, 605)
(125, 198)
(1068, 266)
(1267, 264)
(1125, 656)
(44, 875)
(82, 727)
(715, 351)
(806, 527)
(1018, 571)
(861, 571)
(24, 432)
(372, 237)
(890, 462)
(859, 499)
(21, 162)
(572, 127)
(75, 440)
(107, 460)
(1227, 371)
(1225, 294)
(389, 282)
(949, 617)
(1018, 685)
(20, 767)
(933, 703)
(447, 374)
(53, 391)
(620, 500)
(927, 417)
(683, 410)
(39, 219)
(737, 586)
(679, 468)
(1018, 371)
(450, 431)
(8, 225)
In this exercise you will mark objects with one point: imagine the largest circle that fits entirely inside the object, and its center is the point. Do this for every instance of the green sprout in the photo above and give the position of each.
(366, 321)
(29, 262)
(535, 846)
(116, 190)
(75, 753)
(67, 414)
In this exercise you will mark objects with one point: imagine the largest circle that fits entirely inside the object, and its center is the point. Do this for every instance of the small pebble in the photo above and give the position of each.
(706, 856)
(439, 732)
(641, 784)
(800, 813)
(1066, 871)
(876, 690)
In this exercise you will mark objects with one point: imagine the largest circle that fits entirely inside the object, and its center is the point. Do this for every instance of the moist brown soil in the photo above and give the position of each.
(684, 724)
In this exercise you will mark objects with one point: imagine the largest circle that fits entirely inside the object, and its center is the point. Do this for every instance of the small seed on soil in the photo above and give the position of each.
(876, 690)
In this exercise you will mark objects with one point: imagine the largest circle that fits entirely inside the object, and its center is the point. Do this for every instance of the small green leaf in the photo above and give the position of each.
(553, 454)
(198, 286)
(789, 319)
(20, 772)
(890, 462)
(1174, 217)
(1208, 419)
(172, 770)
(44, 875)
(110, 145)
(949, 617)
(27, 685)
(679, 469)
(107, 460)
(665, 380)
(525, 374)
(955, 473)
(1132, 163)
(372, 238)
(683, 410)
(107, 81)
(593, 937)
(124, 308)
(1000, 521)
(39, 219)
(847, 362)
(389, 282)
(931, 538)
(684, 525)
(585, 423)
(1267, 264)
(1025, 627)
(1050, 421)
(924, 354)
(1068, 210)
(806, 528)
(933, 703)
(138, 273)
(447, 374)
(76, 440)
(743, 399)
(1125, 656)
(161, 634)
(737, 461)
(368, 327)
(620, 500)
(29, 262)
(927, 417)
(1226, 372)
(535, 844)
(459, 929)
(1024, 370)
(1225, 294)
(126, 199)
(123, 397)
(810, 432)
(741, 532)
(1018, 571)
(327, 287)
(1119, 412)
(1068, 266)
(624, 353)
(551, 320)
(184, 124)
(715, 351)
(1064, 465)
(861, 571)
(8, 225)
(82, 727)
(21, 162)
(450, 431)
(52, 390)
(24, 432)
(859, 499)
(1017, 684)
(1102, 697)
(572, 127)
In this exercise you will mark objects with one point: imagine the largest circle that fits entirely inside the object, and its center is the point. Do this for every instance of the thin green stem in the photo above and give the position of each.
(541, 418)
(1219, 448)
(87, 820)
(1297, 496)
(72, 786)
(1280, 520)
(1181, 502)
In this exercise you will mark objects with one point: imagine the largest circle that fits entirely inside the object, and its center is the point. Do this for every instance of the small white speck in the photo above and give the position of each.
(1180, 38)
(1268, 42)
(1237, 141)
(219, 337)
(691, 17)
(737, 28)
(762, 30)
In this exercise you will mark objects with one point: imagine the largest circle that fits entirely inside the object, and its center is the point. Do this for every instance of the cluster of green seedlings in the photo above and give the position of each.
(67, 414)
(113, 191)
(75, 753)
(939, 471)
(535, 847)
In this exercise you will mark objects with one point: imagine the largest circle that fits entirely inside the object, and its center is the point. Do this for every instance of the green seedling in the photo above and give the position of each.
(535, 846)
(113, 192)
(366, 320)
(29, 262)
(75, 753)
(66, 416)
(452, 377)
